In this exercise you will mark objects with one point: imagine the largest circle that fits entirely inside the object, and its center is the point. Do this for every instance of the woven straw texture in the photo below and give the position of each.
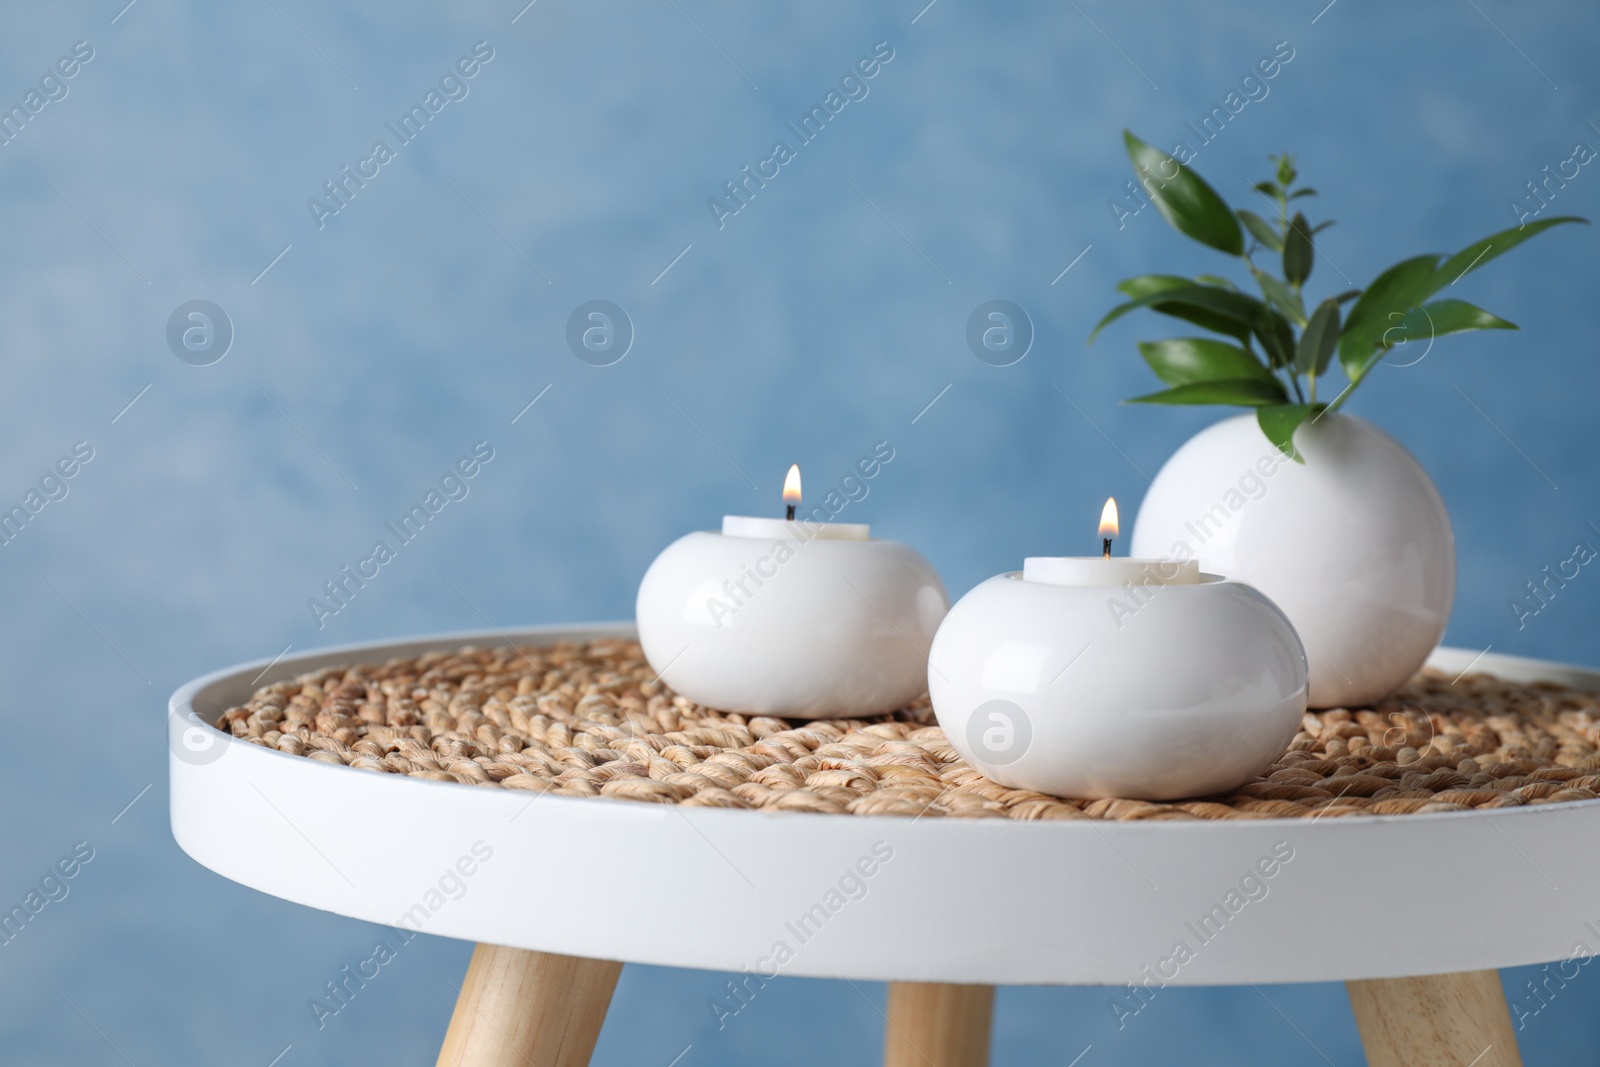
(592, 720)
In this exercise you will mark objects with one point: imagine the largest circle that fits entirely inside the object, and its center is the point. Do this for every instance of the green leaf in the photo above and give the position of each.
(1297, 254)
(1387, 303)
(1478, 253)
(1286, 172)
(1280, 421)
(1307, 191)
(1390, 296)
(1348, 294)
(1222, 310)
(1183, 198)
(1319, 227)
(1276, 336)
(1217, 280)
(1260, 230)
(1443, 317)
(1185, 360)
(1266, 189)
(1320, 338)
(1145, 284)
(1284, 298)
(1244, 392)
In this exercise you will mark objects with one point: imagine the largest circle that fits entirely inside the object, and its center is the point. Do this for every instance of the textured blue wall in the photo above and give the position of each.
(425, 313)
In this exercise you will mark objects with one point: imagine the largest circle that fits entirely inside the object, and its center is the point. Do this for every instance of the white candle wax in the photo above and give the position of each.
(1116, 571)
(794, 529)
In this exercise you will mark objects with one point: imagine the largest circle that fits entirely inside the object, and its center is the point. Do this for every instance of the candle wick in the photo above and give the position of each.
(790, 515)
(1105, 547)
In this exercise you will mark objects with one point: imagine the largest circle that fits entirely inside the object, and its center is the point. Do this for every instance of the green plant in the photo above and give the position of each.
(1296, 347)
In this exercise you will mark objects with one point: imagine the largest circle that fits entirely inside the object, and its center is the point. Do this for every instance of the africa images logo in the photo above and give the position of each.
(1000, 732)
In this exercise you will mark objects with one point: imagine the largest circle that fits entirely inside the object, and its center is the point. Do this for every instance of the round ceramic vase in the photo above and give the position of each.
(1148, 692)
(796, 628)
(1354, 544)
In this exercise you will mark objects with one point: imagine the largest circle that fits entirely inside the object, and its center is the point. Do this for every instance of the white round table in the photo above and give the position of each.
(558, 891)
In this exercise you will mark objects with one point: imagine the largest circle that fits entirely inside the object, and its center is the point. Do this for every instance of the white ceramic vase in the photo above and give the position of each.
(1354, 544)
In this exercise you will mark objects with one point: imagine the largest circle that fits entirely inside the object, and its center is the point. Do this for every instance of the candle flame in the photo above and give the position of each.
(791, 485)
(1108, 518)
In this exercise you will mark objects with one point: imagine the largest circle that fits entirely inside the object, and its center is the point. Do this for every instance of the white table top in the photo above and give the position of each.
(947, 900)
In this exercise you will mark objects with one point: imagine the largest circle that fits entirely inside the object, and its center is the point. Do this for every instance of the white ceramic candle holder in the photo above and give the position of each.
(1155, 685)
(791, 618)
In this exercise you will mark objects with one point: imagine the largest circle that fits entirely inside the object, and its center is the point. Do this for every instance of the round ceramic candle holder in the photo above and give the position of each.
(1142, 690)
(794, 619)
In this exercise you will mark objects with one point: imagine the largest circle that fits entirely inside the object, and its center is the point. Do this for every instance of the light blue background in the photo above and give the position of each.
(808, 328)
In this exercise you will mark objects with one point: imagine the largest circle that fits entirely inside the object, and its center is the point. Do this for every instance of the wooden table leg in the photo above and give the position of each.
(528, 1009)
(1444, 1020)
(936, 1025)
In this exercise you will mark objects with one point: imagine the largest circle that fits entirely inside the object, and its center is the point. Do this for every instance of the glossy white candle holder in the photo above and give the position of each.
(1137, 689)
(793, 619)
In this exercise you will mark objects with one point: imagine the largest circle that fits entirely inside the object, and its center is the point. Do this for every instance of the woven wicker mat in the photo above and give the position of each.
(592, 720)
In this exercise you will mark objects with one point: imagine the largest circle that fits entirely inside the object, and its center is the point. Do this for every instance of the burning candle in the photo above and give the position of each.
(788, 527)
(789, 617)
(1101, 676)
(1104, 569)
